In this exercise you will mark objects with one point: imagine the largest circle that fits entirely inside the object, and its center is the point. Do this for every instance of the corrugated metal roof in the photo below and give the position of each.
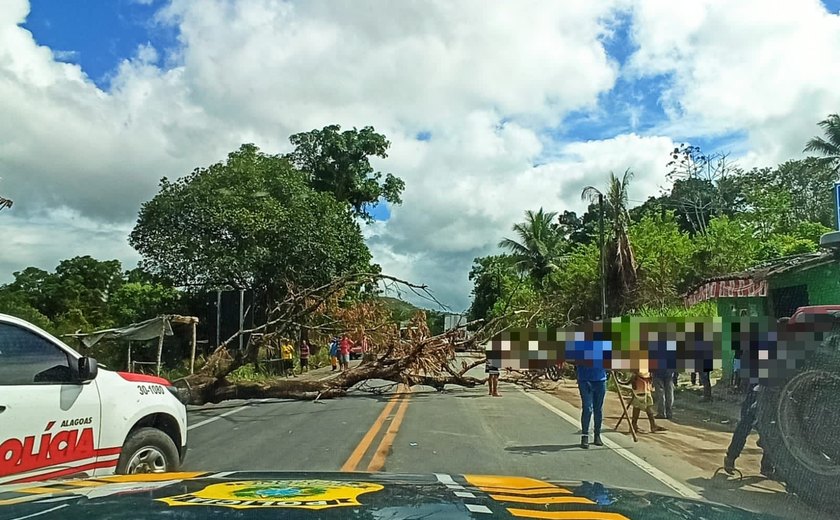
(774, 267)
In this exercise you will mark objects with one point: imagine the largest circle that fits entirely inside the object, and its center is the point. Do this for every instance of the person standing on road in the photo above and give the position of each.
(749, 414)
(663, 384)
(344, 347)
(643, 401)
(304, 356)
(749, 409)
(706, 381)
(492, 371)
(592, 384)
(334, 353)
(287, 354)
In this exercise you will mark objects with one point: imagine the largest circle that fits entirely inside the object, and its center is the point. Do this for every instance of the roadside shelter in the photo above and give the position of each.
(155, 328)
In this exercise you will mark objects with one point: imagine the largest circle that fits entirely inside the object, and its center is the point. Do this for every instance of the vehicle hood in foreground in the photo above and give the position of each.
(325, 495)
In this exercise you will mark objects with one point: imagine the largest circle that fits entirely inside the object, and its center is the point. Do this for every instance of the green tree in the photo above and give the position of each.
(664, 253)
(252, 221)
(729, 245)
(16, 303)
(82, 284)
(779, 199)
(539, 246)
(828, 146)
(137, 301)
(618, 251)
(491, 277)
(575, 289)
(339, 163)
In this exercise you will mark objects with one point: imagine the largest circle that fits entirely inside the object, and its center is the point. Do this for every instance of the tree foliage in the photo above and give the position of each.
(539, 246)
(619, 257)
(338, 162)
(829, 146)
(664, 253)
(713, 219)
(252, 221)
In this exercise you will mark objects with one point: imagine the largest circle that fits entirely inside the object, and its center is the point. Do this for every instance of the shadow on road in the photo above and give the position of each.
(755, 493)
(542, 448)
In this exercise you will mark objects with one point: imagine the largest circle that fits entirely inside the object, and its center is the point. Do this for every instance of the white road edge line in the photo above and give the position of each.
(658, 474)
(217, 417)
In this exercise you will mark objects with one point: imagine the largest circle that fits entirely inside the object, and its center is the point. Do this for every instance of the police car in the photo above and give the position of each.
(61, 415)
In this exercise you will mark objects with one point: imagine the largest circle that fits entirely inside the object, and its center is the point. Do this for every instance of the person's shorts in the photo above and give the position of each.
(333, 360)
(491, 370)
(304, 362)
(345, 358)
(642, 401)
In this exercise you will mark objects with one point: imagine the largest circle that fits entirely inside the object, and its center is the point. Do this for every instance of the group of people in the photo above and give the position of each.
(287, 356)
(339, 350)
(652, 394)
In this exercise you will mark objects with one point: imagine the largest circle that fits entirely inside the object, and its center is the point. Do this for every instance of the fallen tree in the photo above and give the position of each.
(413, 358)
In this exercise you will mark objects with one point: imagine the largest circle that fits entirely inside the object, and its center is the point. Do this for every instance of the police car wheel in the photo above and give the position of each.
(148, 450)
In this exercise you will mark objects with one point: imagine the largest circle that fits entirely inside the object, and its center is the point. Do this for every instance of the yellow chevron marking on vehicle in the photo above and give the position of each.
(566, 515)
(153, 477)
(542, 500)
(497, 481)
(528, 492)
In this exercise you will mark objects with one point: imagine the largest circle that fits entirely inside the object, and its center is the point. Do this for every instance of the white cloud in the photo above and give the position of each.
(767, 68)
(65, 55)
(481, 78)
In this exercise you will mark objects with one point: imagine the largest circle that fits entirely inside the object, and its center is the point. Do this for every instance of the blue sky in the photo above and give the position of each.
(98, 34)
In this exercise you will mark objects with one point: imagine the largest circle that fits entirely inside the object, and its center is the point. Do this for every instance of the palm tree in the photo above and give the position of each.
(618, 255)
(537, 249)
(5, 203)
(829, 147)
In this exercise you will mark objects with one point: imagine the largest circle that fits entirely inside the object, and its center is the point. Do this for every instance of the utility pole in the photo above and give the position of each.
(218, 316)
(241, 315)
(602, 266)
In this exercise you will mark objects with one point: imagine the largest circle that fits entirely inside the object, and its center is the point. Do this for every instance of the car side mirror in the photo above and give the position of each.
(88, 368)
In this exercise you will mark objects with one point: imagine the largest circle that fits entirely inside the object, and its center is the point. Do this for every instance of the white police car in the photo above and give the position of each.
(60, 415)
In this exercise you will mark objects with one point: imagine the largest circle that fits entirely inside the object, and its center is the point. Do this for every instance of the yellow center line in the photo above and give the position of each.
(362, 447)
(378, 460)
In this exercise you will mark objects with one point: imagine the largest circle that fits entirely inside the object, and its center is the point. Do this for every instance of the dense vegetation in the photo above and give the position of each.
(715, 218)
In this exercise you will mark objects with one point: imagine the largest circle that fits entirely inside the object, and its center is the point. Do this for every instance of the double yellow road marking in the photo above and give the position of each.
(377, 461)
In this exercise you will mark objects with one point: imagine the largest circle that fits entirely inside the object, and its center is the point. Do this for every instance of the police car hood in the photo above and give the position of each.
(317, 495)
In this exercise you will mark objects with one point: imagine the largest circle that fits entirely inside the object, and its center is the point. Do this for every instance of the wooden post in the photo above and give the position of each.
(192, 348)
(160, 342)
(626, 412)
(129, 357)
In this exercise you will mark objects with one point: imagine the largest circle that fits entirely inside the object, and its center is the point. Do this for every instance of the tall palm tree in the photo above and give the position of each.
(620, 260)
(538, 247)
(5, 203)
(828, 147)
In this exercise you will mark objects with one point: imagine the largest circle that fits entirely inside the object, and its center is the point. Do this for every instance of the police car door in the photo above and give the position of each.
(49, 423)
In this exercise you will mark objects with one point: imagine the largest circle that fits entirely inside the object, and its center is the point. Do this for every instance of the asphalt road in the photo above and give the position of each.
(458, 431)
